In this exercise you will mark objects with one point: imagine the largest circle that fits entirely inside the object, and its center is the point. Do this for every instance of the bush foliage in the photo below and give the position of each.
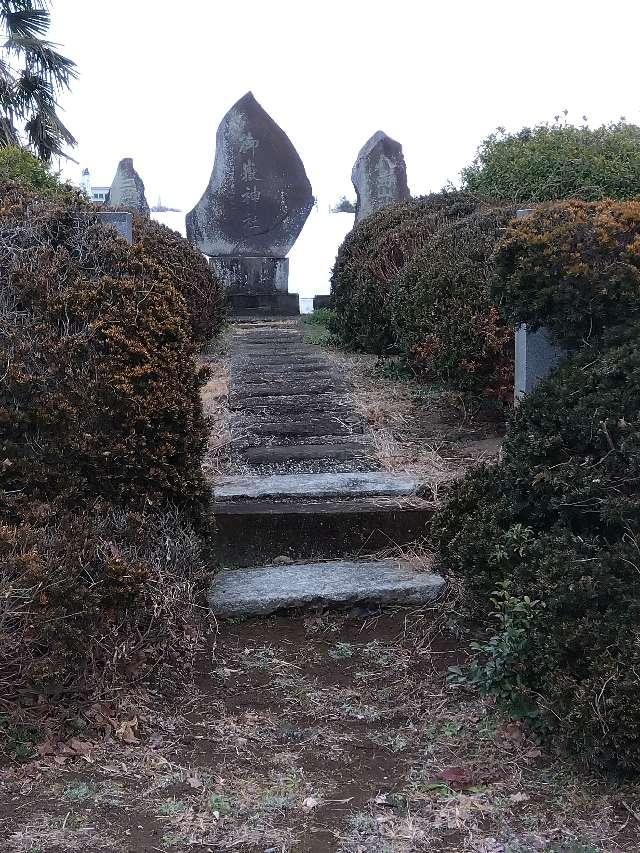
(18, 164)
(555, 161)
(101, 446)
(100, 396)
(188, 271)
(370, 258)
(573, 267)
(558, 519)
(443, 314)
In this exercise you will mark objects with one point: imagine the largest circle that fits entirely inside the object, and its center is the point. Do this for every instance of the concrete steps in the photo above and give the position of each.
(312, 499)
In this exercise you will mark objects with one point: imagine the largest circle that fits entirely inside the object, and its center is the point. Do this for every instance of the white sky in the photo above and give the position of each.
(158, 75)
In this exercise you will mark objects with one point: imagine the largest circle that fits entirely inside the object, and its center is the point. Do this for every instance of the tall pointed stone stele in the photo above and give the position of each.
(127, 189)
(379, 175)
(253, 210)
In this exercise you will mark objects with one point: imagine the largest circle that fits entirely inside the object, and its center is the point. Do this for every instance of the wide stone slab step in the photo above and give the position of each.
(318, 486)
(260, 591)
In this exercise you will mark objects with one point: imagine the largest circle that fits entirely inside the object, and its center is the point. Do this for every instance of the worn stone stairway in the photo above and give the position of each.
(305, 499)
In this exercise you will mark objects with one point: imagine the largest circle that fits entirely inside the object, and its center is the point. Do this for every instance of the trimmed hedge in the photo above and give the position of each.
(559, 518)
(554, 161)
(188, 271)
(443, 314)
(573, 267)
(370, 258)
(100, 397)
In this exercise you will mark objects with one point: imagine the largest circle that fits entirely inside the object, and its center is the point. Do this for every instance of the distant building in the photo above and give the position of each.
(99, 195)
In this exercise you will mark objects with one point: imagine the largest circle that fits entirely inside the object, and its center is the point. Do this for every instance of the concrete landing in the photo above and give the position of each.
(259, 591)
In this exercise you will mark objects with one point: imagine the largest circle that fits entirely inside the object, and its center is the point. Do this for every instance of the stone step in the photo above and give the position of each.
(257, 387)
(254, 532)
(304, 453)
(286, 368)
(259, 591)
(310, 427)
(319, 486)
(329, 403)
(242, 361)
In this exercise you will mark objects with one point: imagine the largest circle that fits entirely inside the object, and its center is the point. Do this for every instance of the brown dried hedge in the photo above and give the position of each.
(189, 272)
(94, 597)
(100, 395)
(101, 441)
(572, 266)
(373, 254)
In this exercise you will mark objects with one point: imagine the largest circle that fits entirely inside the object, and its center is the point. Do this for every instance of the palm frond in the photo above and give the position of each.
(42, 57)
(23, 19)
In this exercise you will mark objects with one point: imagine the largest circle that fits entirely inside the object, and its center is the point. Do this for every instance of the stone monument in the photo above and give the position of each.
(379, 175)
(253, 210)
(127, 189)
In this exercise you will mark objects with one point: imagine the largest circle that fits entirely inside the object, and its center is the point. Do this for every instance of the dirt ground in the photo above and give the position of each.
(319, 732)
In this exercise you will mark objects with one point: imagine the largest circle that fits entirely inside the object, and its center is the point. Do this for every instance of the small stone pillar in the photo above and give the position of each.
(536, 354)
(120, 220)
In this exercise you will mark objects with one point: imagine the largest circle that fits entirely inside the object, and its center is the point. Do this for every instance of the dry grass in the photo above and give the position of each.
(416, 428)
(215, 404)
(330, 732)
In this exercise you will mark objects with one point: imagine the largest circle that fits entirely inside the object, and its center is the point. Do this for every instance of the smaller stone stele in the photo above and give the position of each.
(379, 175)
(127, 189)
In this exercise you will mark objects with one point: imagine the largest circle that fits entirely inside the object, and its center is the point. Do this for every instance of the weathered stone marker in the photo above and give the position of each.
(379, 175)
(120, 220)
(127, 189)
(536, 354)
(253, 210)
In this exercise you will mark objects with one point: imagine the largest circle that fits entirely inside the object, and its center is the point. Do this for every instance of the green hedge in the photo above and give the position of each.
(558, 518)
(370, 258)
(555, 161)
(444, 317)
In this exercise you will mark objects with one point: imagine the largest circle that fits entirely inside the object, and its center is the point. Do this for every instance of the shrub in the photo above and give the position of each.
(443, 312)
(370, 258)
(554, 161)
(89, 599)
(18, 164)
(558, 518)
(572, 266)
(188, 271)
(100, 394)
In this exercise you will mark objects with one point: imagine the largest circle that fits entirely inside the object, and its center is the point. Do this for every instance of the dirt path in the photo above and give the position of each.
(324, 732)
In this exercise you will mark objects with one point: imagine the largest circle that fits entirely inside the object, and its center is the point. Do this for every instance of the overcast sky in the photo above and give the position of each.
(156, 77)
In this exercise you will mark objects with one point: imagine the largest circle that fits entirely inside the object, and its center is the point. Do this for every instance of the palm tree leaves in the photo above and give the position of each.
(28, 92)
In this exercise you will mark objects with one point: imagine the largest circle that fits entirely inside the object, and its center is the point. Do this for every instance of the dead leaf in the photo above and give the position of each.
(45, 748)
(458, 777)
(125, 731)
(81, 747)
(519, 797)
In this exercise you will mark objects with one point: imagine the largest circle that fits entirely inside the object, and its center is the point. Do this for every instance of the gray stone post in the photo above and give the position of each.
(536, 354)
(120, 220)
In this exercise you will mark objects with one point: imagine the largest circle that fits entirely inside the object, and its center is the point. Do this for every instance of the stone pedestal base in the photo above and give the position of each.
(252, 274)
(273, 304)
(256, 285)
